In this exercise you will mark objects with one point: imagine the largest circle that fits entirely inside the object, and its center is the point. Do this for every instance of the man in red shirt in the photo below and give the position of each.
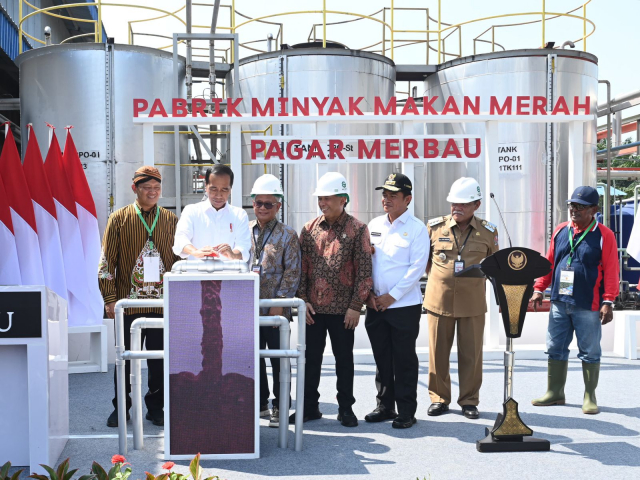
(584, 283)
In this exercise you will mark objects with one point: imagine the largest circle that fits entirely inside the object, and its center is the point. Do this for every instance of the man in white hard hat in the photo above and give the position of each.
(400, 244)
(213, 227)
(275, 256)
(335, 283)
(455, 304)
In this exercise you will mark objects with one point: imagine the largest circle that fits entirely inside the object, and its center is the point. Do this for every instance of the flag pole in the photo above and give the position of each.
(51, 129)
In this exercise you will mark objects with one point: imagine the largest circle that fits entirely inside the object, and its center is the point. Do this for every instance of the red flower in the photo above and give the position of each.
(118, 459)
(168, 466)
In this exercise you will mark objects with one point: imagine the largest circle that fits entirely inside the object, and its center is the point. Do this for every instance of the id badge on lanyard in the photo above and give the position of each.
(458, 266)
(567, 275)
(151, 267)
(257, 269)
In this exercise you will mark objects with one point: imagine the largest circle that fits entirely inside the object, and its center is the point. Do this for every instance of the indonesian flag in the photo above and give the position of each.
(22, 216)
(72, 252)
(9, 265)
(46, 219)
(88, 221)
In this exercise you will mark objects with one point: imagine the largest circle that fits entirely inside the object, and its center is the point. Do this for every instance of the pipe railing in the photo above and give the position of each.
(136, 354)
(442, 32)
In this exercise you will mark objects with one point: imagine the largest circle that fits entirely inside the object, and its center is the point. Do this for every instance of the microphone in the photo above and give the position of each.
(501, 218)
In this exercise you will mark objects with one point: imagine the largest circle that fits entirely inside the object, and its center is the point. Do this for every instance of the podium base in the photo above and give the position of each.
(527, 444)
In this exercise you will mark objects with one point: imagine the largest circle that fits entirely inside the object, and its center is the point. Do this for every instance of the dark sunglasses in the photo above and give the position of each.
(266, 205)
(578, 206)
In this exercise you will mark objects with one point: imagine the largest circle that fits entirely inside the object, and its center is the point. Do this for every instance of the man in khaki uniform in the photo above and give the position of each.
(455, 304)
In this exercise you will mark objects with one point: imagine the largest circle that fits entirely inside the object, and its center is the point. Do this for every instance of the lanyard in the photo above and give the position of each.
(149, 230)
(460, 249)
(260, 250)
(573, 247)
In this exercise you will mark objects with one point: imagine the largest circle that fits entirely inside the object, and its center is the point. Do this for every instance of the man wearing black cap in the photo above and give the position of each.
(400, 251)
(584, 283)
(136, 252)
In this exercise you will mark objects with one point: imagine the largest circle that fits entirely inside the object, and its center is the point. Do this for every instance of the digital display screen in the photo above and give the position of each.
(212, 367)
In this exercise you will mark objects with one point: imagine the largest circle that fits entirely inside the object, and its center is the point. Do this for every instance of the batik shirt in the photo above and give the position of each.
(280, 260)
(336, 265)
(124, 243)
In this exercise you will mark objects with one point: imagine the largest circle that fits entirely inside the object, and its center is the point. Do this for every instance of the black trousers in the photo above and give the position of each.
(342, 345)
(152, 338)
(270, 338)
(393, 334)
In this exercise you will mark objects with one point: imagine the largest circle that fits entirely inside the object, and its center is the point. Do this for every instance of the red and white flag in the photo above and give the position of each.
(88, 221)
(46, 218)
(72, 253)
(9, 264)
(22, 216)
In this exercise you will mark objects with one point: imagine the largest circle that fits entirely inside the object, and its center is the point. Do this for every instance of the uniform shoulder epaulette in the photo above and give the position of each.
(435, 221)
(489, 226)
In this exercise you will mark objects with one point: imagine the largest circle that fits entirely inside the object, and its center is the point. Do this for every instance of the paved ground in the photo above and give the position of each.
(601, 446)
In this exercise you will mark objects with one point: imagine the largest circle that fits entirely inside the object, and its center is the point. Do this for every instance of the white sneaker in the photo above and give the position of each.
(264, 411)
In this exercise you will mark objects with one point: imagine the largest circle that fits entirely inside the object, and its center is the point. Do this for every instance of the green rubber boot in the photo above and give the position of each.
(556, 378)
(590, 373)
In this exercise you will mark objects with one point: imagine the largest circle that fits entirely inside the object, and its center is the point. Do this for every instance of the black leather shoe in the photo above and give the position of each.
(347, 418)
(112, 421)
(404, 421)
(156, 417)
(471, 412)
(437, 409)
(380, 414)
(309, 414)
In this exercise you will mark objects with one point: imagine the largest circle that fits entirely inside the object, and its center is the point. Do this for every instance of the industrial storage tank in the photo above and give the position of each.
(533, 175)
(92, 86)
(307, 71)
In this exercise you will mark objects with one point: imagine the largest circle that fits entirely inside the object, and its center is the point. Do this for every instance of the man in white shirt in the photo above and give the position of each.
(213, 227)
(400, 244)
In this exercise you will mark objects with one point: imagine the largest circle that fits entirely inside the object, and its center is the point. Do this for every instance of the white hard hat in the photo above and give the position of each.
(331, 183)
(267, 185)
(464, 190)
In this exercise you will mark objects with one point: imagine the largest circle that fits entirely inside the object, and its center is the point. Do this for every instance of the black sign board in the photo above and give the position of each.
(20, 315)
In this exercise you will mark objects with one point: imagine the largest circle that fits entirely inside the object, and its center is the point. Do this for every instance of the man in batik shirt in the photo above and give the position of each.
(336, 280)
(275, 256)
(136, 252)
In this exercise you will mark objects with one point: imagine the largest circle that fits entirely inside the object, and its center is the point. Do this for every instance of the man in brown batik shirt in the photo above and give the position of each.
(336, 280)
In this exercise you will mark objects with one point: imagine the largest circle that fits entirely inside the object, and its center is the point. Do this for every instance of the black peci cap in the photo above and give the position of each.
(397, 182)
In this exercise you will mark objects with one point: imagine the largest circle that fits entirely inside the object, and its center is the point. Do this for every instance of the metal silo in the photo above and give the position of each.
(318, 72)
(533, 178)
(92, 87)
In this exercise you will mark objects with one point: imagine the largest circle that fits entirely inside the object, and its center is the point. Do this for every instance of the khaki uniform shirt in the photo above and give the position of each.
(446, 294)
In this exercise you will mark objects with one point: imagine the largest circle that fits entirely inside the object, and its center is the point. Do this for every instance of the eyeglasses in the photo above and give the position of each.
(266, 205)
(578, 206)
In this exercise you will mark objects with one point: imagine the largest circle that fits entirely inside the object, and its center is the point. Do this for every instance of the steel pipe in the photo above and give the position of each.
(285, 370)
(121, 391)
(135, 355)
(607, 196)
(300, 358)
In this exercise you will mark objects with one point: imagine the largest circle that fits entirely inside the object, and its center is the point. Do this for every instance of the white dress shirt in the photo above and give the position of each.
(401, 253)
(202, 225)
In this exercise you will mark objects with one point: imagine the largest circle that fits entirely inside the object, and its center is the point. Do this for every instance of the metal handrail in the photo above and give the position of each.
(493, 27)
(98, 3)
(77, 36)
(443, 30)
